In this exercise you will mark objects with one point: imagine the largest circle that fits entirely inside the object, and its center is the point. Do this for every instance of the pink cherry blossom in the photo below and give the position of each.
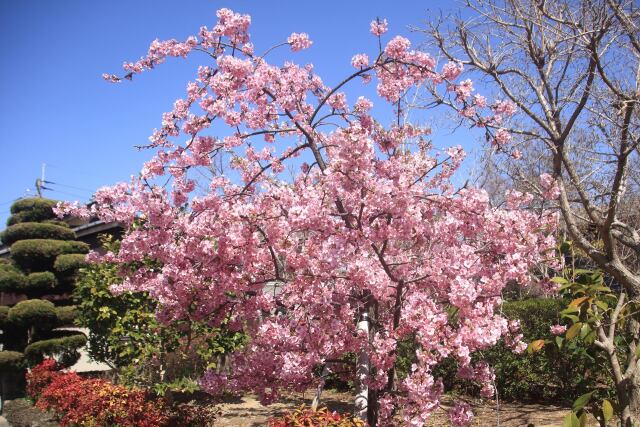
(461, 414)
(360, 60)
(558, 329)
(502, 138)
(366, 220)
(299, 41)
(550, 188)
(379, 27)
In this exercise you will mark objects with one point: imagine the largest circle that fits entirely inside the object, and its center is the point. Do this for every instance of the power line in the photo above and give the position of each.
(70, 186)
(65, 192)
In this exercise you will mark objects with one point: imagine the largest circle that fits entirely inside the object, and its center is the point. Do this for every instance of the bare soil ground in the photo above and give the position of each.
(248, 412)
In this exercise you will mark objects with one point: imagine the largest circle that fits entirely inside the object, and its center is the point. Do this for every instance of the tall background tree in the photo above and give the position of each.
(572, 69)
(38, 277)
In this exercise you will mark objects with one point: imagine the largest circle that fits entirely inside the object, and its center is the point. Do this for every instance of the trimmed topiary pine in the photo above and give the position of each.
(40, 254)
(41, 282)
(31, 210)
(11, 278)
(11, 361)
(68, 264)
(45, 258)
(36, 230)
(33, 313)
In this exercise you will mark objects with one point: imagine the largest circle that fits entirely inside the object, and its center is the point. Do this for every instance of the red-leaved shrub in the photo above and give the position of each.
(40, 377)
(94, 402)
(307, 417)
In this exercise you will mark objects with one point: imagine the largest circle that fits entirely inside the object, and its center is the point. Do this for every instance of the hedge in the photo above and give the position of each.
(11, 361)
(66, 315)
(67, 264)
(39, 254)
(66, 347)
(11, 279)
(41, 281)
(36, 230)
(33, 312)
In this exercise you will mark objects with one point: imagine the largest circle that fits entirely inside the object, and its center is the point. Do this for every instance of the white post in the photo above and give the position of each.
(323, 376)
(362, 370)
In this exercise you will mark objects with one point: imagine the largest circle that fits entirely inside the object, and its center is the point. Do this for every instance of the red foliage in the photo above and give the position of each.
(307, 417)
(94, 402)
(40, 377)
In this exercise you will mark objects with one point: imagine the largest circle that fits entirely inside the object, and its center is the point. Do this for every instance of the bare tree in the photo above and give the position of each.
(573, 70)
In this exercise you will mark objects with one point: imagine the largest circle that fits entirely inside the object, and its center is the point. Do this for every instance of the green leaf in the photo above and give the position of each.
(638, 351)
(602, 305)
(573, 330)
(607, 410)
(583, 419)
(581, 401)
(570, 309)
(571, 420)
(584, 330)
(560, 280)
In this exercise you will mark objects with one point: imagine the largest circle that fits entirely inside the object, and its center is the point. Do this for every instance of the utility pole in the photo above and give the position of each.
(40, 182)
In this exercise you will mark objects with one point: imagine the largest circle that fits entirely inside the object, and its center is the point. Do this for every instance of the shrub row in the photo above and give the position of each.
(40, 254)
(36, 230)
(92, 402)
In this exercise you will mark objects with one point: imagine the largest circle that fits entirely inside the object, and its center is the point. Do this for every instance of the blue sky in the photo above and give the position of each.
(55, 108)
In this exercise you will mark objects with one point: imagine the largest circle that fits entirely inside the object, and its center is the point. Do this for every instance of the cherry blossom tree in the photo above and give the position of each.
(368, 245)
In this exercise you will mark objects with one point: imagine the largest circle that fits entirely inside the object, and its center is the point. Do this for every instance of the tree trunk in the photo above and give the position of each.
(363, 369)
(634, 402)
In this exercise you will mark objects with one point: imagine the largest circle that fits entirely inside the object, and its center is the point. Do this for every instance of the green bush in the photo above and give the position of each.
(547, 375)
(33, 312)
(36, 230)
(41, 281)
(68, 264)
(11, 361)
(40, 254)
(66, 315)
(64, 348)
(11, 279)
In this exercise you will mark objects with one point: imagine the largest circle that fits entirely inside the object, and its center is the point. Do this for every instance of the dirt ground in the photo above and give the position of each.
(248, 412)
